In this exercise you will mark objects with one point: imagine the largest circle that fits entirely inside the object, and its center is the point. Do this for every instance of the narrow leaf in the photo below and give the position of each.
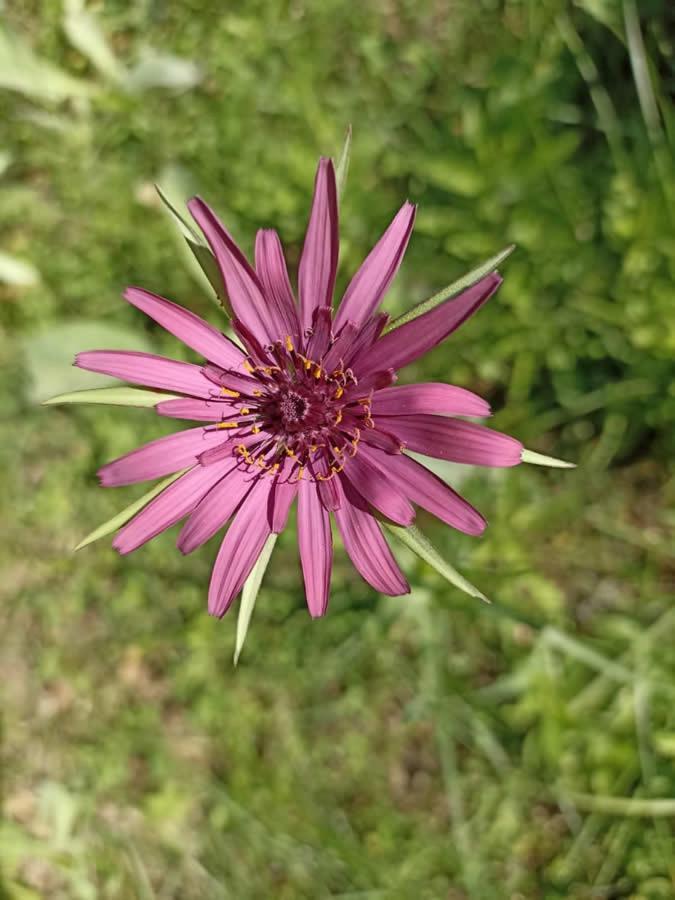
(453, 289)
(343, 163)
(112, 396)
(250, 594)
(123, 517)
(538, 459)
(413, 538)
(84, 32)
(23, 71)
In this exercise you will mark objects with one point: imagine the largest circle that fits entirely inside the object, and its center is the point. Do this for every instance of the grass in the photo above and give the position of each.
(430, 746)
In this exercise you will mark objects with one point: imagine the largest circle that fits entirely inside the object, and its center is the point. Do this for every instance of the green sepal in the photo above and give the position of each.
(538, 459)
(129, 512)
(453, 289)
(342, 167)
(250, 594)
(112, 396)
(200, 251)
(413, 538)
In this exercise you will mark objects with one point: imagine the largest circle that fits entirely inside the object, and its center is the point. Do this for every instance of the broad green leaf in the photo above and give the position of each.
(17, 272)
(206, 271)
(129, 512)
(84, 32)
(413, 538)
(538, 459)
(250, 594)
(23, 71)
(163, 70)
(50, 352)
(112, 396)
(453, 289)
(343, 163)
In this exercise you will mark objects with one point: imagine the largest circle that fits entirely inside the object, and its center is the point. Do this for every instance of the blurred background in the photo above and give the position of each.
(422, 747)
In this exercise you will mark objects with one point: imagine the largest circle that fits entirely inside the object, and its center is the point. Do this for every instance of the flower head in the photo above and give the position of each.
(304, 408)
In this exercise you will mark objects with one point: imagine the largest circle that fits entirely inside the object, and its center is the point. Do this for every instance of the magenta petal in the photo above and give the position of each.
(362, 344)
(216, 507)
(369, 477)
(340, 347)
(315, 541)
(383, 440)
(270, 265)
(146, 369)
(318, 263)
(281, 499)
(454, 440)
(187, 327)
(369, 285)
(442, 399)
(160, 457)
(196, 410)
(317, 343)
(176, 501)
(403, 345)
(242, 284)
(240, 549)
(368, 549)
(425, 489)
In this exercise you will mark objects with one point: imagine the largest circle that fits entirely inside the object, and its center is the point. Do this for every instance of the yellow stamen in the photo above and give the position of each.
(340, 391)
(289, 343)
(227, 392)
(227, 425)
(255, 429)
(338, 417)
(308, 364)
(249, 366)
(257, 393)
(317, 372)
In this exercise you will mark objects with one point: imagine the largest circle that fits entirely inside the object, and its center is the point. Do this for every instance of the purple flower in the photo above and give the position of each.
(306, 409)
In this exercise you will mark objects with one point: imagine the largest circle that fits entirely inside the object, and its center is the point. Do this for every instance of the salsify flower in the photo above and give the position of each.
(306, 408)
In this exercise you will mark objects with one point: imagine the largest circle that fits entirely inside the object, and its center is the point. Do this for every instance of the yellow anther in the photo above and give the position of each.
(256, 429)
(335, 469)
(301, 472)
(290, 453)
(244, 411)
(337, 451)
(249, 366)
(227, 392)
(289, 343)
(338, 417)
(308, 364)
(257, 393)
(227, 425)
(318, 372)
(339, 392)
(313, 448)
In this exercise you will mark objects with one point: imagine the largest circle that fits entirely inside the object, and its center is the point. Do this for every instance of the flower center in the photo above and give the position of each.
(293, 409)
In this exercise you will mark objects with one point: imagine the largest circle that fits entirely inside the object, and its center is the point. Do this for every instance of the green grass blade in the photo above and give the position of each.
(413, 538)
(538, 459)
(123, 517)
(250, 594)
(466, 281)
(343, 163)
(112, 396)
